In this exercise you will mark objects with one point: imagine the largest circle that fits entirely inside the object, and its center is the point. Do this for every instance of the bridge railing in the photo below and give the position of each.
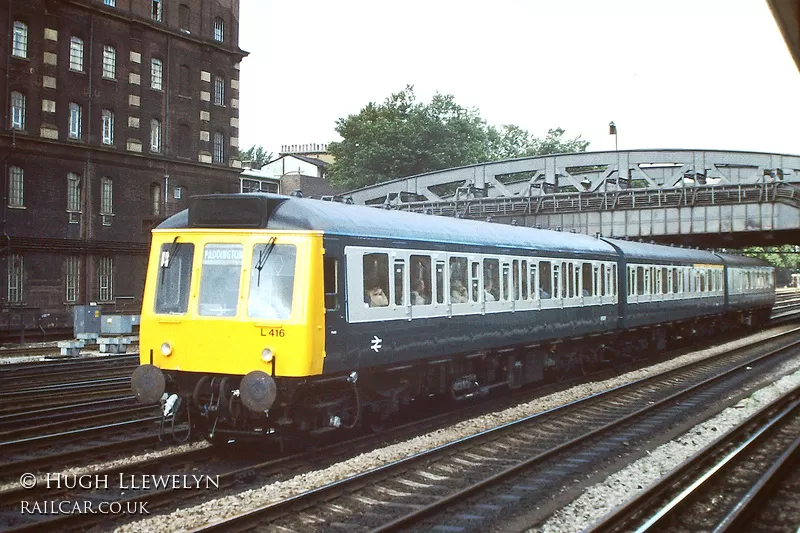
(611, 201)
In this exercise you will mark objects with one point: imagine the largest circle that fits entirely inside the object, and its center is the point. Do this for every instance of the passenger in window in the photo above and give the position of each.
(375, 297)
(458, 292)
(488, 291)
(418, 296)
(544, 295)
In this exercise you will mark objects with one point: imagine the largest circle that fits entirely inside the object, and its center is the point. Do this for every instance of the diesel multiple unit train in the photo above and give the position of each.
(273, 315)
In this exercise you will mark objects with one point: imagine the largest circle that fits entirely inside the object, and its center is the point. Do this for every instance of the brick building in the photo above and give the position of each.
(116, 112)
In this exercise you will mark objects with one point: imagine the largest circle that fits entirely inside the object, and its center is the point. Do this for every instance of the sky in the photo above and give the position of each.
(698, 74)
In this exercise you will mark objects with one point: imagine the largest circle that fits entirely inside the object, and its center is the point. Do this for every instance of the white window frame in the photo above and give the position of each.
(109, 62)
(18, 110)
(155, 135)
(112, 3)
(156, 74)
(157, 10)
(106, 196)
(108, 127)
(219, 147)
(105, 279)
(219, 90)
(19, 46)
(16, 272)
(72, 271)
(75, 121)
(16, 187)
(76, 54)
(74, 197)
(177, 193)
(219, 29)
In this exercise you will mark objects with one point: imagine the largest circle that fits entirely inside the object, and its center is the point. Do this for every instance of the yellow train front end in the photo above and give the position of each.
(230, 320)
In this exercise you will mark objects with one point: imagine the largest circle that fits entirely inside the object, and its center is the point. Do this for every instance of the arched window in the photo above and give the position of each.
(109, 62)
(156, 74)
(185, 81)
(15, 274)
(219, 90)
(76, 54)
(155, 199)
(219, 29)
(19, 47)
(17, 111)
(16, 185)
(73, 193)
(219, 147)
(75, 121)
(155, 135)
(108, 126)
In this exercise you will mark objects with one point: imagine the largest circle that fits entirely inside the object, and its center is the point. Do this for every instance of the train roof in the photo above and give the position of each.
(270, 211)
(639, 251)
(742, 260)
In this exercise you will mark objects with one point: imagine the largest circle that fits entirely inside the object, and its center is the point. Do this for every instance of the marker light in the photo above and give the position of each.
(166, 349)
(266, 355)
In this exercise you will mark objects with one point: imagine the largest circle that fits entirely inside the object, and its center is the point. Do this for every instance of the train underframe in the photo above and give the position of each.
(371, 398)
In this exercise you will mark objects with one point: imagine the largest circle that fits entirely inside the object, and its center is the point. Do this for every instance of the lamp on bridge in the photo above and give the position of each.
(612, 130)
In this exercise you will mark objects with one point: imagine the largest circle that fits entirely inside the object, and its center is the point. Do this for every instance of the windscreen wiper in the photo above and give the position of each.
(166, 260)
(262, 258)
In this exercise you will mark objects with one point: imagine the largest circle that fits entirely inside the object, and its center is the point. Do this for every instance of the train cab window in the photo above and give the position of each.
(459, 282)
(420, 280)
(376, 280)
(219, 280)
(399, 281)
(545, 280)
(440, 282)
(587, 273)
(491, 280)
(174, 278)
(272, 281)
(330, 274)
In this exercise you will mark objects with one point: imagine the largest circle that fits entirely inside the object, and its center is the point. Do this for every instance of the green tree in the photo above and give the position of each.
(257, 156)
(403, 137)
(785, 256)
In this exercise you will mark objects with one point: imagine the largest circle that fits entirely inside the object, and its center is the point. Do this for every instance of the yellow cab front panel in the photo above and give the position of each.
(230, 302)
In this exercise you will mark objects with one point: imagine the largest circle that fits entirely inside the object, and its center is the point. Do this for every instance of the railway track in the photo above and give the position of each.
(745, 481)
(470, 484)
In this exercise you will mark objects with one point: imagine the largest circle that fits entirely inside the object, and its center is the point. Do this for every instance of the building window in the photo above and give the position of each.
(75, 118)
(156, 70)
(108, 126)
(155, 199)
(157, 10)
(184, 139)
(72, 269)
(74, 197)
(219, 90)
(185, 81)
(219, 147)
(184, 16)
(105, 275)
(16, 183)
(109, 62)
(106, 200)
(15, 271)
(112, 3)
(155, 135)
(76, 54)
(17, 111)
(19, 47)
(219, 29)
(178, 193)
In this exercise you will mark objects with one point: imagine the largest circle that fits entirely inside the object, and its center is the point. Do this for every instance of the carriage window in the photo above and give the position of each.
(515, 279)
(557, 292)
(614, 283)
(420, 280)
(491, 280)
(174, 278)
(219, 280)
(272, 281)
(588, 275)
(674, 280)
(399, 278)
(458, 280)
(475, 281)
(533, 282)
(640, 280)
(376, 280)
(603, 285)
(545, 280)
(439, 282)
(524, 279)
(504, 281)
(330, 273)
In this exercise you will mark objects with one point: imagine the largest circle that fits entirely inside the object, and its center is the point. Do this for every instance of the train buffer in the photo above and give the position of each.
(115, 344)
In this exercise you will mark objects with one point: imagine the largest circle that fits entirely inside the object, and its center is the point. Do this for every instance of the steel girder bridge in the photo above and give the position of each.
(707, 198)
